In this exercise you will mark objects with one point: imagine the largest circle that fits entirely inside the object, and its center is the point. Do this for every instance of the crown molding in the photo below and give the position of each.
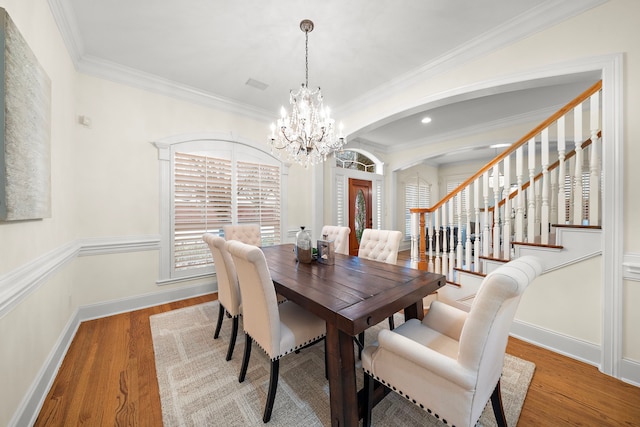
(543, 16)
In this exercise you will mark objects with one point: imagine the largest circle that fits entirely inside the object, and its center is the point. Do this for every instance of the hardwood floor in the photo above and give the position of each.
(108, 378)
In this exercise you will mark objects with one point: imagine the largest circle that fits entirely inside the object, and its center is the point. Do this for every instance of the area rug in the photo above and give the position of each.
(198, 387)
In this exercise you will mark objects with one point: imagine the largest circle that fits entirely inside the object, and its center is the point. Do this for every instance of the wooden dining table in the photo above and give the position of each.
(351, 295)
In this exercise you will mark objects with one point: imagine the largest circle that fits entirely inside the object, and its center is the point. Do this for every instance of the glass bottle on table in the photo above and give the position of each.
(303, 246)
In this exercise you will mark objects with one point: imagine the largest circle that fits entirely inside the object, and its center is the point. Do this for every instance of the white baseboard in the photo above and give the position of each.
(629, 372)
(32, 403)
(558, 343)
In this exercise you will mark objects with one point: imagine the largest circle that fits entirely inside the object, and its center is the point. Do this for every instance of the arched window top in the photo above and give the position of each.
(358, 160)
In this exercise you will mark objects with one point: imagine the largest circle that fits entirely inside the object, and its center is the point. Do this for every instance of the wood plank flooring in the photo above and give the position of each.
(108, 378)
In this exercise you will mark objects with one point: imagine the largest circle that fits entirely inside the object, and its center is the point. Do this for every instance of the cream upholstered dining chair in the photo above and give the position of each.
(246, 233)
(279, 329)
(340, 237)
(379, 245)
(228, 290)
(450, 363)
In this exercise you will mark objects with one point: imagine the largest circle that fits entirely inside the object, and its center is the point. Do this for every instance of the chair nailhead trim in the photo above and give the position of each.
(273, 359)
(401, 393)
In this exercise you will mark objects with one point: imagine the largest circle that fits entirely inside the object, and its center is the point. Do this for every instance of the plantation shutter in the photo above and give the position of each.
(258, 198)
(202, 203)
(416, 195)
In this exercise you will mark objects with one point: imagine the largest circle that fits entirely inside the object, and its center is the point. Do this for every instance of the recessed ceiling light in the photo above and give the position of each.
(426, 120)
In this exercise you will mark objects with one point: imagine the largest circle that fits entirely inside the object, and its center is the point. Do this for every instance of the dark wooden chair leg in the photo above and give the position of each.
(368, 407)
(245, 359)
(273, 386)
(326, 358)
(392, 323)
(360, 343)
(498, 410)
(219, 324)
(232, 340)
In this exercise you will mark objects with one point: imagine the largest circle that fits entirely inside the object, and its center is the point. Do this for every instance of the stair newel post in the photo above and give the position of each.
(506, 228)
(496, 210)
(594, 164)
(476, 229)
(520, 198)
(436, 241)
(452, 244)
(485, 219)
(467, 243)
(562, 174)
(531, 195)
(578, 201)
(544, 215)
(459, 197)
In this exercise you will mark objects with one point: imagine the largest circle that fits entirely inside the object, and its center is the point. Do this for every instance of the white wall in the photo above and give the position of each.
(94, 198)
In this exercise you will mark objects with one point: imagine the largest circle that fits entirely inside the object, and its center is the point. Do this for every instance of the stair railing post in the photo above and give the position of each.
(521, 197)
(496, 210)
(531, 195)
(485, 221)
(544, 215)
(476, 230)
(578, 200)
(506, 228)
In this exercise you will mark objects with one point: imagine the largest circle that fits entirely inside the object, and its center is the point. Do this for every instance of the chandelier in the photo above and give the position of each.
(308, 134)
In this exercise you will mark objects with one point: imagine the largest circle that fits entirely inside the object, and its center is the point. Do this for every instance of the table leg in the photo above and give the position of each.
(414, 311)
(343, 397)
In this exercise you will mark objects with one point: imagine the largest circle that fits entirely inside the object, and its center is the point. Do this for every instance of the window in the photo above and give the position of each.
(417, 194)
(205, 185)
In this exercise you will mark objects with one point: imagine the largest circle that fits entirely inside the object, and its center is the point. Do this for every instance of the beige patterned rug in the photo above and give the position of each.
(199, 388)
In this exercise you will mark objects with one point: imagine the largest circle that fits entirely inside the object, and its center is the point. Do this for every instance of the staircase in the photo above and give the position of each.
(535, 198)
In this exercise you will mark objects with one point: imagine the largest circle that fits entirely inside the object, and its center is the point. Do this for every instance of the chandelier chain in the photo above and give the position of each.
(306, 58)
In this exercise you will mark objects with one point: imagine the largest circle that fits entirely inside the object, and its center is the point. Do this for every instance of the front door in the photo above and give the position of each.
(360, 215)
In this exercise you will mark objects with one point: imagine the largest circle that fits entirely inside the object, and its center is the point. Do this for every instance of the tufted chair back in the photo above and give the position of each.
(340, 237)
(246, 233)
(380, 245)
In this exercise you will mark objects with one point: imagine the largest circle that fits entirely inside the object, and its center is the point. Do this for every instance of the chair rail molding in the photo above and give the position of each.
(22, 281)
(631, 267)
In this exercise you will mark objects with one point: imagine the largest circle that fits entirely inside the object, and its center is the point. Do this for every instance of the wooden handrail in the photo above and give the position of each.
(553, 166)
(554, 117)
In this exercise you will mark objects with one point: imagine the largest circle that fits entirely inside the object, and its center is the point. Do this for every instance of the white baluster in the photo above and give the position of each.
(562, 174)
(485, 220)
(578, 201)
(429, 222)
(451, 247)
(467, 243)
(459, 217)
(415, 235)
(544, 214)
(531, 194)
(436, 225)
(496, 210)
(506, 228)
(521, 197)
(476, 228)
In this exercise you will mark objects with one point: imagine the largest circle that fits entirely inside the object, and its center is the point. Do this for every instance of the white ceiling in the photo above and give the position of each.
(207, 50)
